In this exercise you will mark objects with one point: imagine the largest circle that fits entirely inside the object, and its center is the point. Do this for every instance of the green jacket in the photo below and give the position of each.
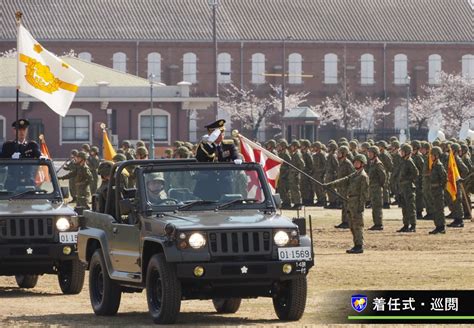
(285, 168)
(376, 173)
(408, 172)
(357, 189)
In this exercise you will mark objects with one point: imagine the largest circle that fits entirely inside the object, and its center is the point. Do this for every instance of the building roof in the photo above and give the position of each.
(304, 113)
(419, 21)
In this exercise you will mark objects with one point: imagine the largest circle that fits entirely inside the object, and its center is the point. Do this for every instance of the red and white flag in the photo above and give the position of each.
(270, 162)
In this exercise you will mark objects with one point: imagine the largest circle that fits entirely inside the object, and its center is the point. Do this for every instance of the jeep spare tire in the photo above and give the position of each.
(26, 280)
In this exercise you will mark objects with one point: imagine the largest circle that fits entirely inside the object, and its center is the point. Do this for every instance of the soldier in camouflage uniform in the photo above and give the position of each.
(426, 181)
(437, 182)
(396, 161)
(377, 180)
(93, 164)
(407, 176)
(466, 158)
(142, 153)
(419, 162)
(457, 206)
(71, 166)
(295, 176)
(344, 169)
(270, 145)
(307, 192)
(284, 178)
(319, 168)
(105, 172)
(331, 172)
(128, 150)
(357, 193)
(83, 180)
(353, 147)
(386, 160)
(124, 174)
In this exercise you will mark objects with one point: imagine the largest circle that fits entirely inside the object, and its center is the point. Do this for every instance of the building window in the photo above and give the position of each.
(193, 126)
(76, 126)
(400, 121)
(189, 67)
(223, 68)
(120, 62)
(434, 69)
(2, 129)
(367, 69)
(330, 68)
(86, 56)
(258, 68)
(295, 68)
(400, 69)
(161, 121)
(154, 66)
(468, 67)
(261, 133)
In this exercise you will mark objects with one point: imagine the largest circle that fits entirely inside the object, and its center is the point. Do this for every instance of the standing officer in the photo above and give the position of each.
(457, 205)
(396, 160)
(357, 192)
(319, 168)
(407, 176)
(344, 169)
(128, 150)
(284, 179)
(437, 182)
(377, 179)
(21, 148)
(426, 181)
(83, 180)
(93, 164)
(386, 160)
(307, 192)
(296, 161)
(105, 172)
(213, 147)
(418, 160)
(71, 166)
(331, 171)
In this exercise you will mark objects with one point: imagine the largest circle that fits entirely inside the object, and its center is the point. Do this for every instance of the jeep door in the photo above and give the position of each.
(125, 247)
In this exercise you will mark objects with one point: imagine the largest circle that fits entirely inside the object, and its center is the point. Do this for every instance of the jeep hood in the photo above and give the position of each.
(243, 219)
(34, 207)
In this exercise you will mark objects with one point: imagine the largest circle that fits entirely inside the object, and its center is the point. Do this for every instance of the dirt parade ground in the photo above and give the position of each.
(391, 261)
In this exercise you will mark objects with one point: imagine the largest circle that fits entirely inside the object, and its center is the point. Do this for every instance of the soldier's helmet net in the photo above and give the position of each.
(343, 150)
(436, 151)
(105, 168)
(374, 149)
(406, 148)
(82, 155)
(361, 158)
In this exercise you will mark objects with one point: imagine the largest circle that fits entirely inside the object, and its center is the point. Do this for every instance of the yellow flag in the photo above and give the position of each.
(44, 76)
(108, 149)
(430, 161)
(453, 176)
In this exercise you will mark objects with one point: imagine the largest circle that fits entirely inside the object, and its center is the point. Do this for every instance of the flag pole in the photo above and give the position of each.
(18, 16)
(275, 157)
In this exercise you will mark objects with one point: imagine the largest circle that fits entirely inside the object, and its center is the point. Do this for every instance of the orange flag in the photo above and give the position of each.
(43, 174)
(453, 176)
(109, 151)
(430, 161)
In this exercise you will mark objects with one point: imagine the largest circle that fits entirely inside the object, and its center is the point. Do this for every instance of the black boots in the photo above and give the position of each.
(437, 230)
(403, 229)
(412, 228)
(457, 223)
(343, 225)
(355, 250)
(376, 227)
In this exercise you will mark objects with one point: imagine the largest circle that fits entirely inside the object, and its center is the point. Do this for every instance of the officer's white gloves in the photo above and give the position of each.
(16, 155)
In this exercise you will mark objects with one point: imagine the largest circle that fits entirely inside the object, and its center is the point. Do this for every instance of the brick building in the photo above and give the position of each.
(370, 46)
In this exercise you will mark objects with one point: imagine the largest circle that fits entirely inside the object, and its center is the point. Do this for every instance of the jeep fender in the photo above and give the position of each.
(88, 240)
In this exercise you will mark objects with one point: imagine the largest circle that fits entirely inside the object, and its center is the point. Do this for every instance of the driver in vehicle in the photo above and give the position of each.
(156, 188)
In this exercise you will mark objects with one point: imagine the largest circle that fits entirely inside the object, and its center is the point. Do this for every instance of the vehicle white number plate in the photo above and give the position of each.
(294, 254)
(68, 237)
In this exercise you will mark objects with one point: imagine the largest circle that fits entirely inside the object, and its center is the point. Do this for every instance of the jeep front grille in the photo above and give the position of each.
(26, 228)
(235, 243)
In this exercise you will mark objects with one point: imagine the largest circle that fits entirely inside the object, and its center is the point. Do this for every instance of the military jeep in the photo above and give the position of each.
(38, 232)
(194, 231)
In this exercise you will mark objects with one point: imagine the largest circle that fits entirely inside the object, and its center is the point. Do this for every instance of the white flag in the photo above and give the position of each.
(44, 76)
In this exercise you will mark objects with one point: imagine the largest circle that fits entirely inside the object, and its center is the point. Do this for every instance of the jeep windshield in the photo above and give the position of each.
(188, 189)
(21, 179)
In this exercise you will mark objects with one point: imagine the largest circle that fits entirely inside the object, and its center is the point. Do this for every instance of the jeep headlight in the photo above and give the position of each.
(281, 238)
(63, 224)
(197, 240)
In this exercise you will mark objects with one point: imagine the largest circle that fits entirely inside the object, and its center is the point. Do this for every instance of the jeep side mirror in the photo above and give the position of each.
(277, 200)
(126, 206)
(65, 192)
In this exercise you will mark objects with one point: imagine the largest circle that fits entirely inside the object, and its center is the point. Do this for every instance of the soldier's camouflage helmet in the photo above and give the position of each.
(169, 151)
(395, 144)
(155, 176)
(416, 144)
(305, 143)
(383, 144)
(74, 152)
(365, 145)
(343, 150)
(86, 147)
(95, 149)
(178, 143)
(406, 148)
(464, 148)
(126, 143)
(436, 151)
(82, 155)
(317, 145)
(371, 142)
(455, 147)
(353, 144)
(425, 145)
(105, 168)
(271, 143)
(332, 146)
(343, 139)
(361, 158)
(283, 143)
(436, 143)
(182, 151)
(188, 145)
(142, 151)
(393, 138)
(344, 143)
(119, 158)
(374, 149)
(140, 143)
(332, 141)
(295, 143)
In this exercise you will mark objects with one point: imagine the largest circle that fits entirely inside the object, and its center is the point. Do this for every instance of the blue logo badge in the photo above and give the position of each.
(359, 302)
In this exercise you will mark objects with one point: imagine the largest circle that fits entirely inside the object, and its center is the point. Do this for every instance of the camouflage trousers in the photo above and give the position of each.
(428, 198)
(330, 196)
(386, 190)
(307, 192)
(437, 208)
(419, 196)
(72, 187)
(356, 221)
(320, 193)
(284, 191)
(295, 188)
(408, 204)
(376, 201)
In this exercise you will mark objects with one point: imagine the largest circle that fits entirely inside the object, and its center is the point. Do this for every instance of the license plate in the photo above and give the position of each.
(294, 254)
(68, 237)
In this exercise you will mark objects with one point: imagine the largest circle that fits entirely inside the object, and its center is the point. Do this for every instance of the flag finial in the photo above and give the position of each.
(18, 16)
(235, 133)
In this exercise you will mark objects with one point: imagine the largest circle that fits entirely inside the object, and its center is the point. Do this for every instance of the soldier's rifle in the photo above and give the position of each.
(64, 164)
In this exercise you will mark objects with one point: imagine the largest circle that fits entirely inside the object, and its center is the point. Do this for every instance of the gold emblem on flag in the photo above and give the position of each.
(41, 77)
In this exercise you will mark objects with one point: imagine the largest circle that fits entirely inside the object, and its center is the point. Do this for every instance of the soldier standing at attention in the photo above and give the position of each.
(307, 192)
(319, 168)
(457, 205)
(93, 164)
(407, 176)
(426, 181)
(83, 180)
(128, 150)
(295, 178)
(466, 158)
(357, 192)
(386, 160)
(71, 166)
(331, 171)
(353, 145)
(437, 182)
(396, 160)
(418, 160)
(344, 169)
(377, 179)
(284, 179)
(270, 145)
(105, 172)
(142, 153)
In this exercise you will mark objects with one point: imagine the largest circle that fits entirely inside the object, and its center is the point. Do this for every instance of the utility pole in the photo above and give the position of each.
(408, 107)
(214, 4)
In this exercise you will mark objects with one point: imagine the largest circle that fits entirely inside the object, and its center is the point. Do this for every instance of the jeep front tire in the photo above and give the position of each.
(163, 290)
(227, 305)
(104, 293)
(71, 277)
(290, 300)
(26, 280)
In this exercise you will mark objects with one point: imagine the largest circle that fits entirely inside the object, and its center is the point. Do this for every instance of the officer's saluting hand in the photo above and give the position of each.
(21, 148)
